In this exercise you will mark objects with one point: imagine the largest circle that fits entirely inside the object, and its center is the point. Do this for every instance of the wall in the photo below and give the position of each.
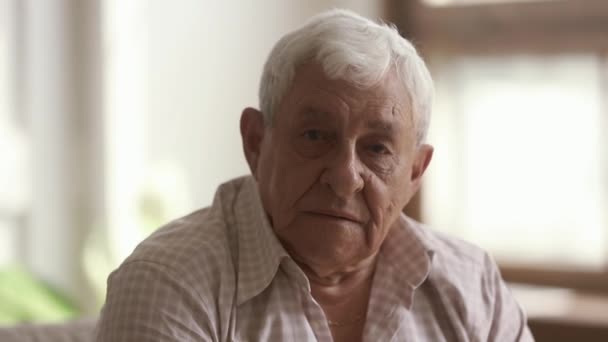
(205, 62)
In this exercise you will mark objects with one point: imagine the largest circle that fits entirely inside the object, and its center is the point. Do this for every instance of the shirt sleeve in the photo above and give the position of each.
(147, 302)
(508, 320)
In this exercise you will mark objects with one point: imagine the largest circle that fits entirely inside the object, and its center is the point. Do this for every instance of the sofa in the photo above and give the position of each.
(81, 330)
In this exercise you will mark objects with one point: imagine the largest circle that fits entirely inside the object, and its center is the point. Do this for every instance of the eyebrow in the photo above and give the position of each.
(311, 114)
(380, 125)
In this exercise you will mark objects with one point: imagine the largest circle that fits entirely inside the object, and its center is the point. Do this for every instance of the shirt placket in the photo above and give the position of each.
(316, 317)
(312, 310)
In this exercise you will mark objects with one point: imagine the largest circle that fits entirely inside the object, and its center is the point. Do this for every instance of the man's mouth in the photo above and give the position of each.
(335, 214)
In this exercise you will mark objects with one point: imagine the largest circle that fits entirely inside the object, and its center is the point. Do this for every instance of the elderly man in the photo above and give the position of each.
(313, 246)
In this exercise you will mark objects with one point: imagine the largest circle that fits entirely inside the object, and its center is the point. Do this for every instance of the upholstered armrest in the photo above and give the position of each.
(74, 331)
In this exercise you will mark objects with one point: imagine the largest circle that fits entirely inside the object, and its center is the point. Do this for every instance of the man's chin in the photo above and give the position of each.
(322, 255)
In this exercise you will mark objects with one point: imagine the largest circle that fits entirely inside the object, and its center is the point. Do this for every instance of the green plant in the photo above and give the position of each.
(23, 298)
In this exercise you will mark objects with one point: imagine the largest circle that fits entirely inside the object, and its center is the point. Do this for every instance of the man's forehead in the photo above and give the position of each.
(386, 122)
(377, 115)
(311, 79)
(314, 96)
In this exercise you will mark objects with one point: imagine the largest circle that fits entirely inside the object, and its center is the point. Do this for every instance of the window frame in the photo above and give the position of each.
(512, 28)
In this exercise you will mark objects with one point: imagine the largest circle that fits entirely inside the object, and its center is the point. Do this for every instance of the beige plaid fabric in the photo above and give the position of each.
(220, 274)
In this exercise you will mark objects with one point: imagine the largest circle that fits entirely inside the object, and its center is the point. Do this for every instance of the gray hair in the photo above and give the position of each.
(351, 48)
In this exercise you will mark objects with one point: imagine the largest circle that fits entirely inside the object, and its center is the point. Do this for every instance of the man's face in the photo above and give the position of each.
(336, 166)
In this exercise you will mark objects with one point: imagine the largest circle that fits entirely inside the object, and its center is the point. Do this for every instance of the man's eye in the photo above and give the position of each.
(313, 134)
(379, 149)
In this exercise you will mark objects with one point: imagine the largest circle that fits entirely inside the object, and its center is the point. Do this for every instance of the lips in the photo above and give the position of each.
(343, 215)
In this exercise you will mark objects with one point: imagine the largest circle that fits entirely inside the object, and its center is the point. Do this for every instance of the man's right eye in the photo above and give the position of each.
(312, 134)
(314, 142)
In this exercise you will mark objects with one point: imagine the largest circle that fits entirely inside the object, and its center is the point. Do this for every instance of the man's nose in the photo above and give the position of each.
(343, 173)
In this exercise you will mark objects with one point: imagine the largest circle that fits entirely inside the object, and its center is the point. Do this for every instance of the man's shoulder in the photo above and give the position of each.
(467, 281)
(184, 272)
(456, 263)
(205, 237)
(202, 234)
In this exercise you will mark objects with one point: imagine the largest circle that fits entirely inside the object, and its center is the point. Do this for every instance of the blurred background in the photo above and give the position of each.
(118, 116)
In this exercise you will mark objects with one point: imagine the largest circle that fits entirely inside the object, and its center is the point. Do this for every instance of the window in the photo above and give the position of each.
(13, 150)
(519, 163)
(24, 293)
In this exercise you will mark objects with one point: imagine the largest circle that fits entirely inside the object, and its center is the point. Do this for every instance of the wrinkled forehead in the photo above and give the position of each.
(311, 87)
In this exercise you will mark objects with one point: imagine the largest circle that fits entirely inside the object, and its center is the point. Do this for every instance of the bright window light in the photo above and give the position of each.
(519, 158)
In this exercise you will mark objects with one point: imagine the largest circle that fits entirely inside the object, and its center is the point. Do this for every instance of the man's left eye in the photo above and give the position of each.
(313, 134)
(379, 149)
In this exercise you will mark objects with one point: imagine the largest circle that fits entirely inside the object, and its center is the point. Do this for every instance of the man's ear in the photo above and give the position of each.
(252, 133)
(422, 160)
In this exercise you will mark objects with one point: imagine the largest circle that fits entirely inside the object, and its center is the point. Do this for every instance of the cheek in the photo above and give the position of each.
(288, 180)
(385, 199)
(379, 203)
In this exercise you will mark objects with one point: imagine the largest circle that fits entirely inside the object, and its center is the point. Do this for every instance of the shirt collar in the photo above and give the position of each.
(406, 257)
(259, 251)
(407, 251)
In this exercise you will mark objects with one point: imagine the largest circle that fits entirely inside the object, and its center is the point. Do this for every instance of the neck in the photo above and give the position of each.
(332, 288)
